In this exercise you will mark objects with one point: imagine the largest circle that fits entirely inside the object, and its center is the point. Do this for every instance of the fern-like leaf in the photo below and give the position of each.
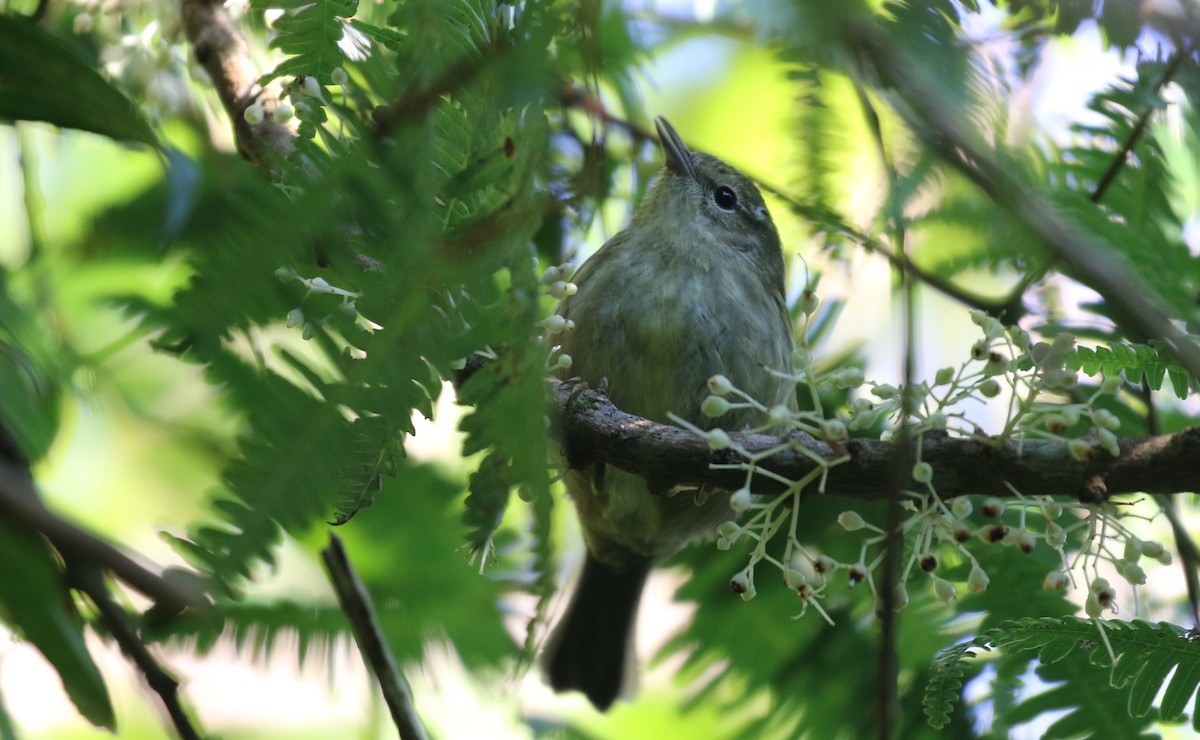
(1072, 649)
(1151, 362)
(308, 32)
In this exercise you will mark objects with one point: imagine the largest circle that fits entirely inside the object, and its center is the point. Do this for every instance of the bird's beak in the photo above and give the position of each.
(679, 157)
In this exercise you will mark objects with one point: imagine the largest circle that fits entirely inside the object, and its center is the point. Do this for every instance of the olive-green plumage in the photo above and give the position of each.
(692, 288)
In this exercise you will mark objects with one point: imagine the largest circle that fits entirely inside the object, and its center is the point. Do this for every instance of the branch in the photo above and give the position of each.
(89, 579)
(21, 505)
(594, 430)
(221, 50)
(1094, 262)
(356, 603)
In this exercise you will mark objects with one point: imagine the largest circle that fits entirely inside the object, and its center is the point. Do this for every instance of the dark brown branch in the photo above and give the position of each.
(21, 505)
(89, 579)
(594, 430)
(356, 604)
(221, 50)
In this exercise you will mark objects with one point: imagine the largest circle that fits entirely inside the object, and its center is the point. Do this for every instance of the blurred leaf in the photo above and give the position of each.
(35, 67)
(36, 605)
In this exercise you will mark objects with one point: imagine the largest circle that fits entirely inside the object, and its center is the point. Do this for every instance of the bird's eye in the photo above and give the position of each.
(725, 198)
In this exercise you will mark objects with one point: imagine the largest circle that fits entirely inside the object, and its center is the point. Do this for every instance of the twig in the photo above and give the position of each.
(87, 578)
(21, 505)
(1122, 156)
(594, 430)
(356, 603)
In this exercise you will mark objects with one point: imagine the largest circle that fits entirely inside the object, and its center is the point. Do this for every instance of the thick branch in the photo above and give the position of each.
(221, 50)
(593, 430)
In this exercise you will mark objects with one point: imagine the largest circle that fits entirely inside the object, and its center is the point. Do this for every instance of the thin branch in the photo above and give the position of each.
(356, 603)
(594, 430)
(21, 505)
(1122, 156)
(88, 578)
(1095, 263)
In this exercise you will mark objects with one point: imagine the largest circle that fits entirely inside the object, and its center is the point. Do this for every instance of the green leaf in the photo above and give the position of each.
(43, 79)
(34, 603)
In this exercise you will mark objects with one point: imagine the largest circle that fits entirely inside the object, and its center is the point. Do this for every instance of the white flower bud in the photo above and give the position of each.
(1056, 536)
(282, 113)
(886, 391)
(808, 302)
(285, 274)
(1133, 550)
(1055, 580)
(1081, 450)
(554, 324)
(945, 376)
(922, 472)
(989, 388)
(1132, 572)
(295, 318)
(338, 76)
(1111, 384)
(1091, 605)
(978, 579)
(730, 529)
(719, 385)
(718, 439)
(309, 85)
(1152, 549)
(254, 113)
(743, 584)
(1026, 542)
(1106, 419)
(992, 507)
(833, 430)
(551, 275)
(565, 361)
(714, 406)
(780, 414)
(740, 500)
(944, 590)
(851, 521)
(1108, 442)
(961, 507)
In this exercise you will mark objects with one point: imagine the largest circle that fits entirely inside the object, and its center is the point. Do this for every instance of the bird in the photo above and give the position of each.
(692, 288)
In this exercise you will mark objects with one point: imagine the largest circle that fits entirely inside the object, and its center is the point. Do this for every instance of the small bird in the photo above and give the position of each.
(693, 287)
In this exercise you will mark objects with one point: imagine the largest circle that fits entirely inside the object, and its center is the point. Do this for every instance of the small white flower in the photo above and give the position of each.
(295, 318)
(743, 584)
(1055, 580)
(338, 76)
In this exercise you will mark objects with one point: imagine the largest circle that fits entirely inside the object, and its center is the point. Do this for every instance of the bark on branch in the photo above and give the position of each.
(594, 430)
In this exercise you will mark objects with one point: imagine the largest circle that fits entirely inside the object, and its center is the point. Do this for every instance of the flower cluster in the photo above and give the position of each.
(1043, 400)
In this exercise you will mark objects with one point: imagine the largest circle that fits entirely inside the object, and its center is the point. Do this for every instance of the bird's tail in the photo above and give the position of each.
(591, 648)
